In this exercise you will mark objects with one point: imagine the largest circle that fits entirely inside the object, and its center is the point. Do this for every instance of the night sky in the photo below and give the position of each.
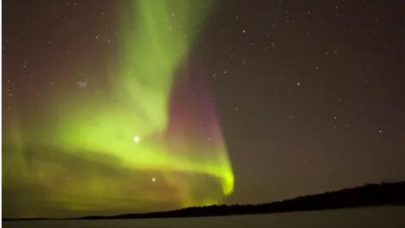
(130, 106)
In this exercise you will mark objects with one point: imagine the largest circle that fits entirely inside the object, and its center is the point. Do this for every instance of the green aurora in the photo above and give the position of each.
(123, 150)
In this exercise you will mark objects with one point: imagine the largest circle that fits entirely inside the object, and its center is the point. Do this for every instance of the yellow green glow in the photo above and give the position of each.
(125, 129)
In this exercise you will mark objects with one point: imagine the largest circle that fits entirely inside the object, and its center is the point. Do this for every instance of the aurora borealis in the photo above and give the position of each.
(144, 127)
(130, 106)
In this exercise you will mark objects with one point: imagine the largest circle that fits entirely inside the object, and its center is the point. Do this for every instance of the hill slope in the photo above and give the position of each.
(370, 195)
(364, 196)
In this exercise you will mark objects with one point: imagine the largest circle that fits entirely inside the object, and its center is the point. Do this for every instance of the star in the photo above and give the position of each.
(136, 139)
(82, 84)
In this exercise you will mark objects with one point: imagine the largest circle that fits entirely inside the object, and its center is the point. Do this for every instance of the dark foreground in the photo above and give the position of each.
(370, 217)
(370, 195)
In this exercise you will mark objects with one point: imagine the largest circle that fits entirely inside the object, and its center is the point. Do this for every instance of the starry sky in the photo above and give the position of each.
(114, 107)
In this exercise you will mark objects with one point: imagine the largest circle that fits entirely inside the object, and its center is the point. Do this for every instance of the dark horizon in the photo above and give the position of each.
(368, 195)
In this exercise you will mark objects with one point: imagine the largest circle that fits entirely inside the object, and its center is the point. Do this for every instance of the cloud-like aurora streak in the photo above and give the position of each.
(151, 141)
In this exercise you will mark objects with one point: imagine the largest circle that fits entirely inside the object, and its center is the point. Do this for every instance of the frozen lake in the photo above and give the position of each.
(353, 218)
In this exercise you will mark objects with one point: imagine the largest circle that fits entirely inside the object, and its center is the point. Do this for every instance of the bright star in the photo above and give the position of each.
(137, 139)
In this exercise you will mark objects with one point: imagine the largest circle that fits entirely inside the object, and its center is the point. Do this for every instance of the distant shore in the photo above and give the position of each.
(369, 195)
